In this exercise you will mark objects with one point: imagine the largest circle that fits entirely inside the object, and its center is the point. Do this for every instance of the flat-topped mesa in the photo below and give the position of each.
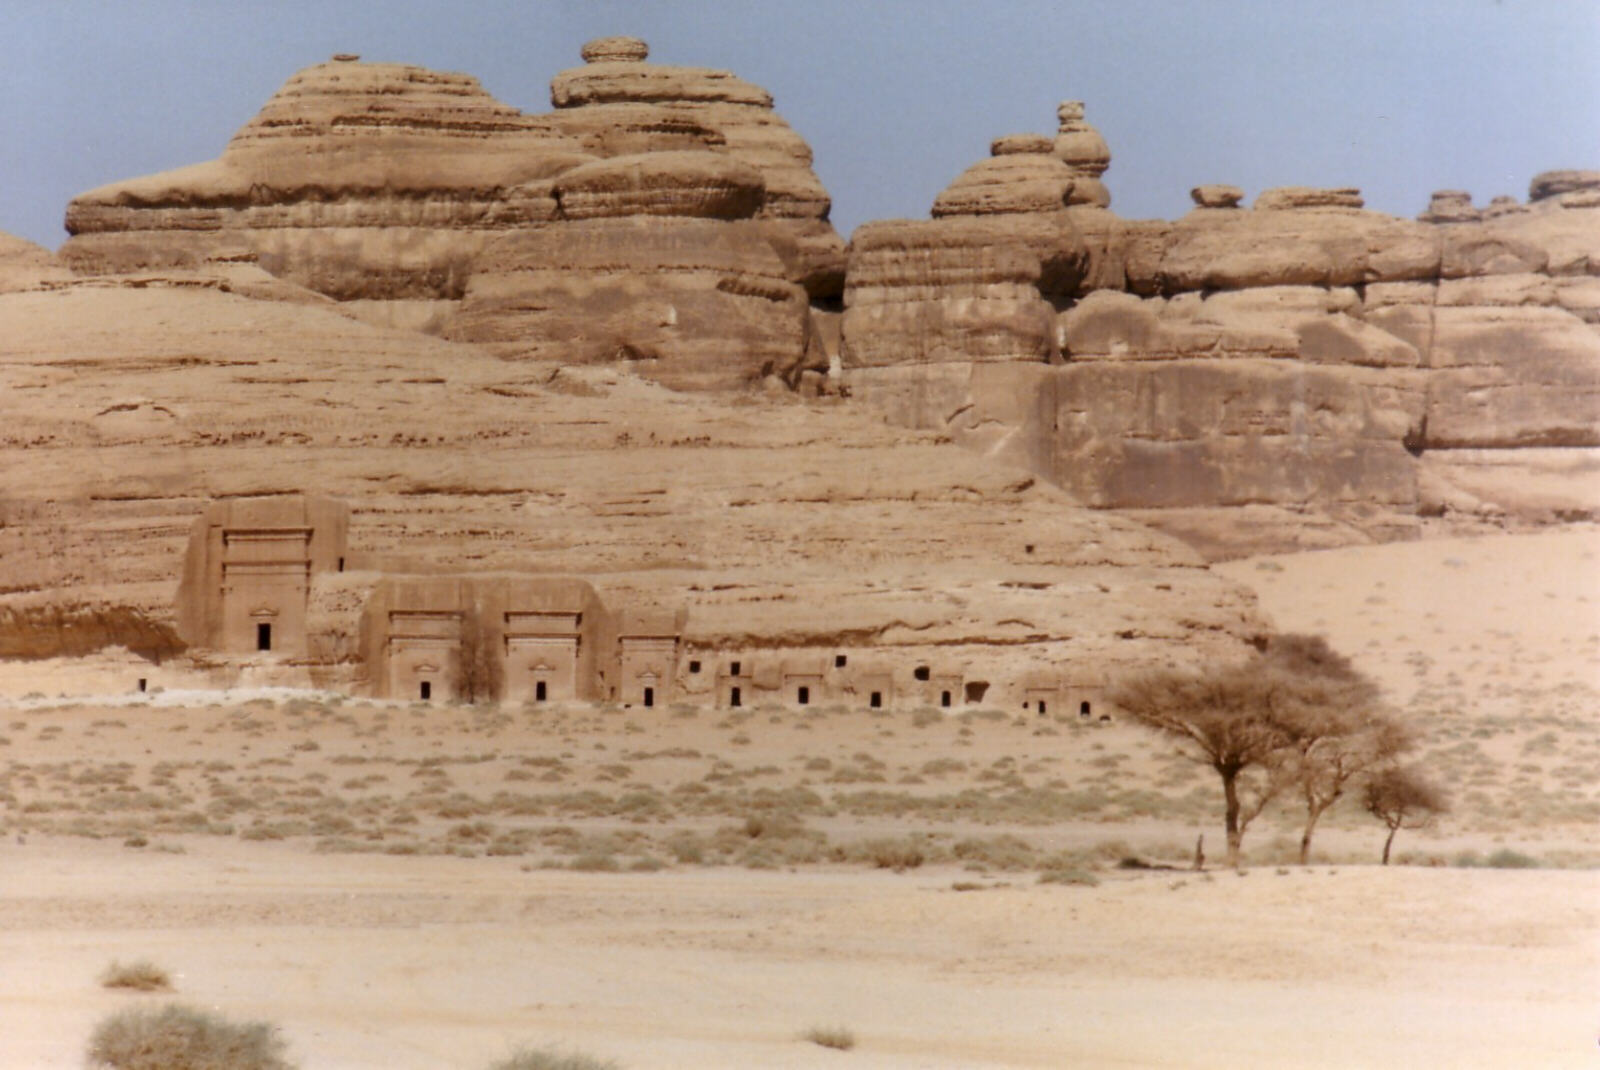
(654, 259)
(618, 104)
(357, 180)
(1450, 206)
(1081, 147)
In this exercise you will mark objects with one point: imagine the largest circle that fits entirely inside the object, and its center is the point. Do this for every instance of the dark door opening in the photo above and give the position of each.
(143, 683)
(803, 696)
(649, 697)
(1083, 708)
(694, 666)
(426, 690)
(976, 690)
(733, 669)
(1044, 707)
(539, 691)
(920, 672)
(733, 697)
(263, 637)
(840, 661)
(876, 701)
(944, 698)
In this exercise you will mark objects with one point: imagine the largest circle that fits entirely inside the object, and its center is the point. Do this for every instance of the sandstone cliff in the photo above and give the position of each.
(1302, 372)
(782, 525)
(362, 181)
(618, 104)
(655, 260)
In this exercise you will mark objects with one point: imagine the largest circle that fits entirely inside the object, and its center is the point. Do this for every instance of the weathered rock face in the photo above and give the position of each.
(618, 104)
(1296, 357)
(654, 259)
(784, 527)
(1085, 152)
(26, 266)
(357, 180)
(941, 291)
(975, 284)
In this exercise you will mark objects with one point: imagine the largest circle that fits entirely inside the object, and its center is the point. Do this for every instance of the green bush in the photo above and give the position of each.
(182, 1038)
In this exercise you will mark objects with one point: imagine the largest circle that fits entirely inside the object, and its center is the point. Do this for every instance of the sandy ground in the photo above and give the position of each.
(237, 841)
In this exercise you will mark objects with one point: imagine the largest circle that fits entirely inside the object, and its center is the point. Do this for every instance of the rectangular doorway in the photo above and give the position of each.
(263, 637)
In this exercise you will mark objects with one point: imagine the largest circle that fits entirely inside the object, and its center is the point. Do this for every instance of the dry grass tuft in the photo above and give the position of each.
(141, 976)
(551, 1059)
(836, 1037)
(182, 1038)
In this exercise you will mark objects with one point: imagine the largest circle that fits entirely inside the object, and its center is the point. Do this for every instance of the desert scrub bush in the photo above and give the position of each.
(836, 1037)
(1003, 852)
(889, 853)
(1069, 875)
(1506, 858)
(182, 1038)
(553, 1059)
(594, 863)
(140, 976)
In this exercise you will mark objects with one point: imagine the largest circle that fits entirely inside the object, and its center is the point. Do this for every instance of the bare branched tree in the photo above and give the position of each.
(1332, 717)
(1292, 714)
(1402, 797)
(1222, 717)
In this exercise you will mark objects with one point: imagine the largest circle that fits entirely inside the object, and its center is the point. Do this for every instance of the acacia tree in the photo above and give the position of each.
(1222, 717)
(1280, 719)
(1336, 731)
(1402, 797)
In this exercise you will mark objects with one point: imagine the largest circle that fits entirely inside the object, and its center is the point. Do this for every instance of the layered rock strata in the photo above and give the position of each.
(618, 104)
(788, 529)
(362, 181)
(1300, 356)
(656, 260)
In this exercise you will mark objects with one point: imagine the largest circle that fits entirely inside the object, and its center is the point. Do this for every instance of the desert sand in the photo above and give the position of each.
(541, 884)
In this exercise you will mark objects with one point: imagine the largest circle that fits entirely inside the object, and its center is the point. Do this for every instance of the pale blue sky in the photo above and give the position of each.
(895, 97)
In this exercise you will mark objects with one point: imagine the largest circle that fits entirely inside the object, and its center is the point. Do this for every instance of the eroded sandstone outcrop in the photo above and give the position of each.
(362, 181)
(618, 104)
(656, 259)
(1299, 355)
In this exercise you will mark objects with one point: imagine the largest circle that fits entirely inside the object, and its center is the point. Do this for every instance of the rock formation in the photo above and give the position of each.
(657, 259)
(1331, 365)
(362, 181)
(787, 528)
(1085, 152)
(26, 266)
(618, 104)
(1299, 372)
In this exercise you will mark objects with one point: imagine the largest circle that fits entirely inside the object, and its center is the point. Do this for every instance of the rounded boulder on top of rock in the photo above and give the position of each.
(1081, 147)
(615, 50)
(1548, 184)
(1450, 206)
(1216, 195)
